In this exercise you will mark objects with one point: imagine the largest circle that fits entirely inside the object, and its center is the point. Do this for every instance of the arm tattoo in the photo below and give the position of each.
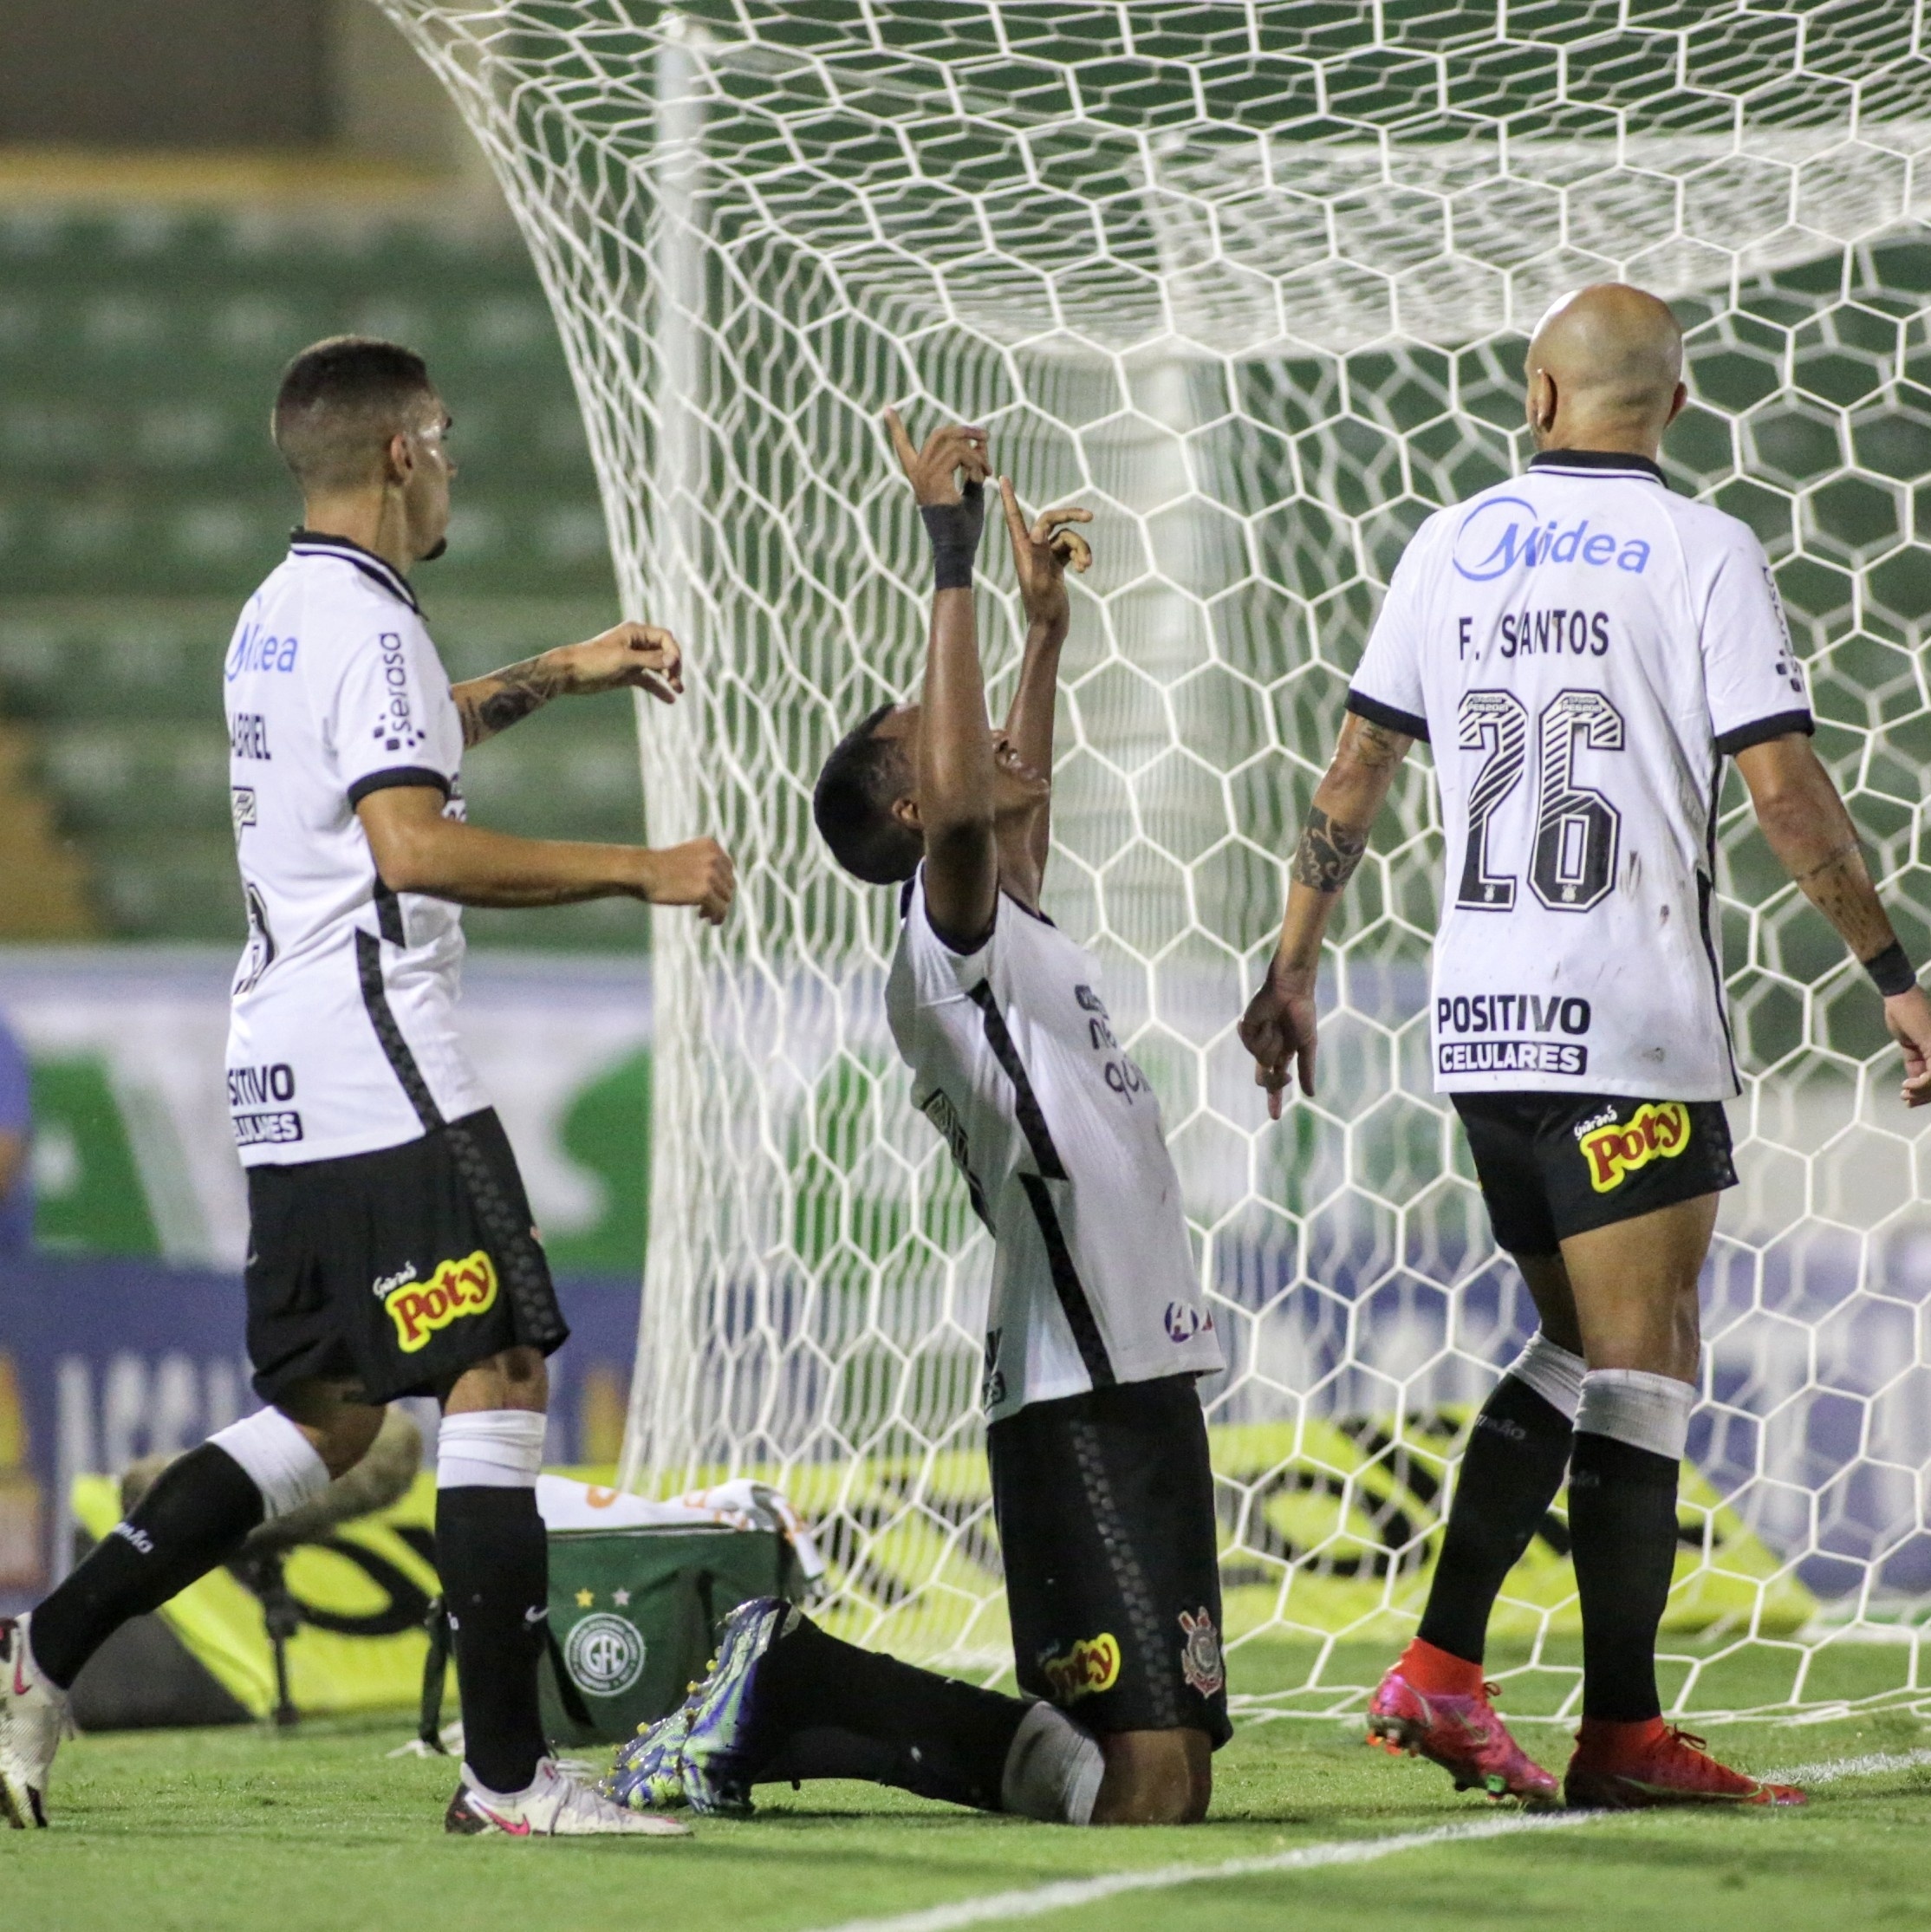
(505, 697)
(1850, 848)
(1375, 746)
(1328, 853)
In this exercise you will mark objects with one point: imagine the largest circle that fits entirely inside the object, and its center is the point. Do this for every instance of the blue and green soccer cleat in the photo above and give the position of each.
(649, 1773)
(696, 1756)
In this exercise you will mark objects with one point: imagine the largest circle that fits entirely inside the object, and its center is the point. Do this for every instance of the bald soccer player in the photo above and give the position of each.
(1582, 649)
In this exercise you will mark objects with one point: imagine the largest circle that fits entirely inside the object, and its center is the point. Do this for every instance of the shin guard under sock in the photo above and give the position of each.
(1510, 1473)
(828, 1710)
(494, 1561)
(1623, 1525)
(197, 1515)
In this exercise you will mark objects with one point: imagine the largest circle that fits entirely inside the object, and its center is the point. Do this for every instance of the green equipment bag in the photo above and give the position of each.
(634, 1614)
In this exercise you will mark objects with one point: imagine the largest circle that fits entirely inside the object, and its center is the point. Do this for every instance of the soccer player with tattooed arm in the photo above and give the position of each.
(391, 1251)
(1097, 1330)
(1582, 649)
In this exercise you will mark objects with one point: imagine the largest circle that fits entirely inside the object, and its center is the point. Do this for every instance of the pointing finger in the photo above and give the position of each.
(902, 443)
(1015, 523)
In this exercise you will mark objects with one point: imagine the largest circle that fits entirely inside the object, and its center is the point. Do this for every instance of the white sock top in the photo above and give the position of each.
(1053, 1769)
(491, 1449)
(277, 1458)
(1552, 1372)
(1635, 1406)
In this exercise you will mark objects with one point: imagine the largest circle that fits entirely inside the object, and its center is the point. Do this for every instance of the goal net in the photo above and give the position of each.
(1252, 282)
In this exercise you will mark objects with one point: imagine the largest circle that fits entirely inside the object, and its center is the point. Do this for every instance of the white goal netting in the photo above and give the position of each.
(1252, 282)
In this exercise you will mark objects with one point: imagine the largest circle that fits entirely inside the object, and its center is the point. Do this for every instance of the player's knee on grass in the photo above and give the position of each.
(517, 1378)
(1156, 1778)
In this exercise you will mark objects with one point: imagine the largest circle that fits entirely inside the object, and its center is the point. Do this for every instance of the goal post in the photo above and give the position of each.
(1252, 282)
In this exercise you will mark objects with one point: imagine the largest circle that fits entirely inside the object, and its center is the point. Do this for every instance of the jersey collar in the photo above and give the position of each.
(380, 571)
(1597, 463)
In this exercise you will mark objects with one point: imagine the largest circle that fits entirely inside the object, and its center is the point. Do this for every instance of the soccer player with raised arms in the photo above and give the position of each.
(1582, 649)
(390, 1246)
(1097, 1330)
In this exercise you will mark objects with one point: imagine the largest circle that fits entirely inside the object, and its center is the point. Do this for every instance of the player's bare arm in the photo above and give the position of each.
(416, 848)
(1278, 1026)
(955, 763)
(629, 656)
(1043, 552)
(1805, 823)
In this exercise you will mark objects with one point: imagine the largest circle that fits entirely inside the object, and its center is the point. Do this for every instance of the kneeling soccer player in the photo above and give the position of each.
(1097, 1330)
(1580, 711)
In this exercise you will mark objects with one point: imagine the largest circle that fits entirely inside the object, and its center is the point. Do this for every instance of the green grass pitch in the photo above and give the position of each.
(319, 1830)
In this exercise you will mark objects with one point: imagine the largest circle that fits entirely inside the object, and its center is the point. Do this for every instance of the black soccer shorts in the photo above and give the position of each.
(395, 1270)
(1553, 1165)
(1105, 1509)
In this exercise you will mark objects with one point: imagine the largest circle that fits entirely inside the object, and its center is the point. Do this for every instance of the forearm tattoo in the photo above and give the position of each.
(1328, 854)
(505, 697)
(1375, 746)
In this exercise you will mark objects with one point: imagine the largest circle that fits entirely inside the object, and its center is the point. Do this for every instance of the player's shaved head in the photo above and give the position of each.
(340, 403)
(1604, 368)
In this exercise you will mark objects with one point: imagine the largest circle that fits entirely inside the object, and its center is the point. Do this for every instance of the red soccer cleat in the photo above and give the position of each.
(1621, 1768)
(1435, 1706)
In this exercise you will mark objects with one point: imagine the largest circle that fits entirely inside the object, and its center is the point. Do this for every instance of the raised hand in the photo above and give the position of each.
(643, 656)
(954, 456)
(1278, 1029)
(1041, 556)
(699, 873)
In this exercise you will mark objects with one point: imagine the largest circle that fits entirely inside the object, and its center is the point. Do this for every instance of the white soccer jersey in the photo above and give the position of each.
(1058, 1137)
(1581, 648)
(341, 1036)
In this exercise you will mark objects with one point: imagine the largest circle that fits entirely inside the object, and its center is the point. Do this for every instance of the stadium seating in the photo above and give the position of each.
(140, 502)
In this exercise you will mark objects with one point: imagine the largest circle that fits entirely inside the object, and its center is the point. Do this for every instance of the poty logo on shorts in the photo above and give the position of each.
(605, 1655)
(1656, 1131)
(1092, 1665)
(1503, 533)
(419, 1308)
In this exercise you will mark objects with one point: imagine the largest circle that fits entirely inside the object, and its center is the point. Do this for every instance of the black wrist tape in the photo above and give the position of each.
(1891, 972)
(954, 529)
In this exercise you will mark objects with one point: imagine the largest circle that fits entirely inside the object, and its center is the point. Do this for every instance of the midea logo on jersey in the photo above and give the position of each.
(1506, 532)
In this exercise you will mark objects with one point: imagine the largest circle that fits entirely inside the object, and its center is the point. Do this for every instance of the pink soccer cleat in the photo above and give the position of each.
(1435, 1706)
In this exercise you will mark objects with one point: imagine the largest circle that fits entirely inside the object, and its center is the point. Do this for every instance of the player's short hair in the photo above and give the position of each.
(860, 782)
(340, 402)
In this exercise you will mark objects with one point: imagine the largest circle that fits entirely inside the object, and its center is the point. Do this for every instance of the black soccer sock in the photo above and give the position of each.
(1622, 1522)
(1510, 1473)
(197, 1515)
(828, 1710)
(494, 1561)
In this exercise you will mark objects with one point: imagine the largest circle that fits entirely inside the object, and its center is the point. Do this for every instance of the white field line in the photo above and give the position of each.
(1834, 1768)
(1037, 1900)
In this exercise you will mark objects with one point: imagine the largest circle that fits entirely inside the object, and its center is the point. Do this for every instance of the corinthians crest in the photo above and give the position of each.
(1200, 1663)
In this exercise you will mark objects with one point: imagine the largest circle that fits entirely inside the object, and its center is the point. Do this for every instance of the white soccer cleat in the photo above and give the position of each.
(556, 1806)
(33, 1720)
